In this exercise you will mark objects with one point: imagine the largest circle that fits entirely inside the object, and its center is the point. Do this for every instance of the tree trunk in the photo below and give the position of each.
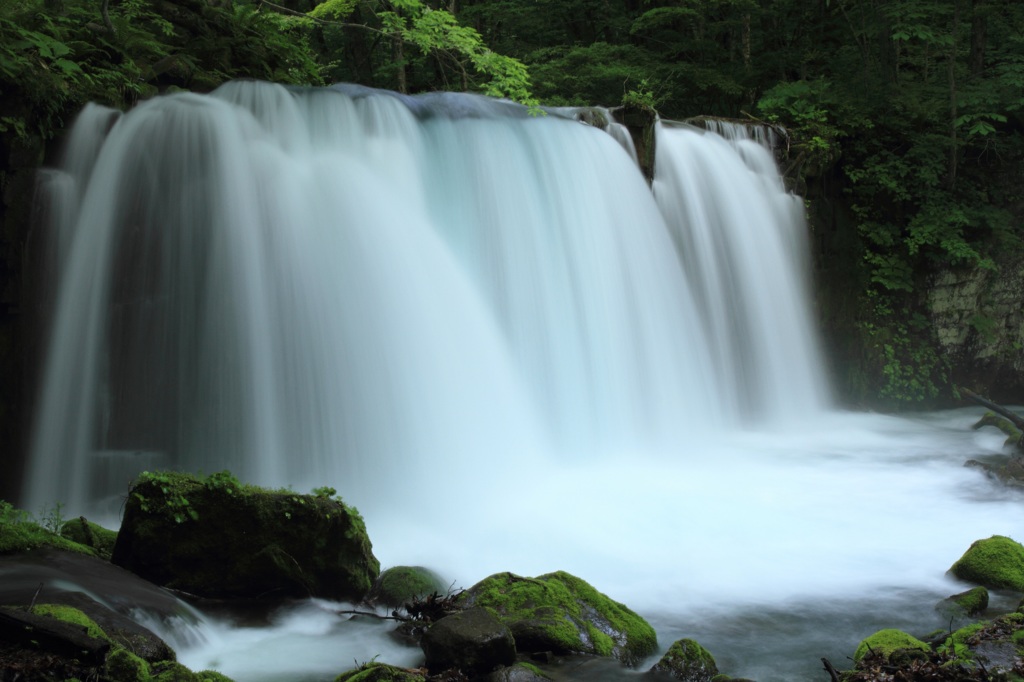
(979, 37)
(953, 112)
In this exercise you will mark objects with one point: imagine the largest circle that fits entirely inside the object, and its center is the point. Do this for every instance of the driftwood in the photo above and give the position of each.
(51, 635)
(1015, 418)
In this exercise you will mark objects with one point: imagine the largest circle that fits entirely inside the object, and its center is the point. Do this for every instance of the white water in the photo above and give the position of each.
(493, 338)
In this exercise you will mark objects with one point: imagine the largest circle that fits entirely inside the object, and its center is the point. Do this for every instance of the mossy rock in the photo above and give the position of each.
(888, 642)
(85, 532)
(996, 563)
(688, 661)
(970, 603)
(18, 533)
(214, 537)
(400, 585)
(561, 613)
(380, 672)
(176, 672)
(124, 666)
(120, 664)
(518, 672)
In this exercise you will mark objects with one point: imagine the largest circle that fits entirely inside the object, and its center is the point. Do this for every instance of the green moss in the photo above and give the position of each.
(216, 537)
(996, 563)
(563, 613)
(20, 534)
(688, 660)
(176, 672)
(971, 602)
(533, 669)
(94, 536)
(72, 615)
(886, 642)
(956, 644)
(379, 672)
(124, 666)
(401, 584)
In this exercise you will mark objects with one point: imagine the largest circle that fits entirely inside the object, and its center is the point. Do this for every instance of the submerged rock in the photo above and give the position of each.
(214, 537)
(688, 661)
(473, 641)
(561, 613)
(996, 563)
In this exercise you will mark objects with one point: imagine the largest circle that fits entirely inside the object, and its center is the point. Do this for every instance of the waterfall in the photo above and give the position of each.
(350, 287)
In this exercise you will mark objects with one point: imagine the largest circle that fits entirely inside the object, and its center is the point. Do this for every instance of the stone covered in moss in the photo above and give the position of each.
(94, 536)
(996, 563)
(399, 585)
(124, 666)
(561, 613)
(887, 642)
(18, 533)
(688, 661)
(214, 537)
(119, 664)
(380, 672)
(970, 603)
(519, 672)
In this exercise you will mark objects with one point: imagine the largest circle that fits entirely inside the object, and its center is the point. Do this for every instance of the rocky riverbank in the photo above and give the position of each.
(215, 537)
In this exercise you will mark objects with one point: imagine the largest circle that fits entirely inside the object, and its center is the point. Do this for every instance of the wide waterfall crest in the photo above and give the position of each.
(343, 286)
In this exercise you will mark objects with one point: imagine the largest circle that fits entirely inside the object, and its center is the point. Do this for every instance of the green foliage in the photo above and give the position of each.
(903, 353)
(640, 97)
(424, 38)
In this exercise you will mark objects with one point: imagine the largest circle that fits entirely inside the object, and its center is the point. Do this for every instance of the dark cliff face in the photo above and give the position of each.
(978, 317)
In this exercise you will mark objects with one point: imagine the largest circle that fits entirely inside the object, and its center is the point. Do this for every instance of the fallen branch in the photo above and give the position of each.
(830, 669)
(1015, 418)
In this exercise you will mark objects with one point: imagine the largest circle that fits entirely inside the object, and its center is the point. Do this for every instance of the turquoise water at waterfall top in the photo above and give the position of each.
(492, 336)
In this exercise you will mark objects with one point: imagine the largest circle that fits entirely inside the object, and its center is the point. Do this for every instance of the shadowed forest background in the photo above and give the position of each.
(903, 129)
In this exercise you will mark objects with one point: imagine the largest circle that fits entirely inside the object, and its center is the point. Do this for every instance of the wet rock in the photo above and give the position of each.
(380, 672)
(94, 536)
(561, 613)
(888, 643)
(214, 537)
(688, 661)
(402, 584)
(996, 563)
(965, 604)
(520, 672)
(473, 641)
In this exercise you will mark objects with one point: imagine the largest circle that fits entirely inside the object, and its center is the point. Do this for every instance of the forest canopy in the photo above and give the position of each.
(904, 118)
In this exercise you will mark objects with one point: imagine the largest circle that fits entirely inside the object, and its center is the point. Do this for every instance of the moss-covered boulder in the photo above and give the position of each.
(62, 642)
(561, 613)
(887, 643)
(19, 533)
(380, 672)
(215, 537)
(400, 585)
(996, 563)
(688, 661)
(970, 603)
(101, 540)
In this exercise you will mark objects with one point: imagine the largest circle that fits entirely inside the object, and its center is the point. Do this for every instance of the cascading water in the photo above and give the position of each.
(487, 332)
(329, 285)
